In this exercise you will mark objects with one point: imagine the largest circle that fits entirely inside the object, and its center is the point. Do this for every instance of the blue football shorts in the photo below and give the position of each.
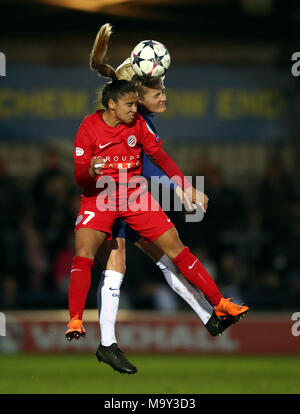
(123, 230)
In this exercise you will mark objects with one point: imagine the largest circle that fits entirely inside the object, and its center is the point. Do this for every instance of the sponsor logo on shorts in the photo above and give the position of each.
(79, 219)
(79, 151)
(131, 140)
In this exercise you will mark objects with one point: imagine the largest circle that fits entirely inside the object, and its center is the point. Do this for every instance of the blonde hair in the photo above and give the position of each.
(141, 84)
(99, 51)
(123, 71)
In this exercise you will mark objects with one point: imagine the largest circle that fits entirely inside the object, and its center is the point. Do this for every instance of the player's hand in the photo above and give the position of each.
(96, 165)
(197, 198)
(185, 199)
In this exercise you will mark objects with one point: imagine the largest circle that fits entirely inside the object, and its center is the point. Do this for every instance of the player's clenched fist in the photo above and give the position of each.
(192, 198)
(197, 198)
(96, 165)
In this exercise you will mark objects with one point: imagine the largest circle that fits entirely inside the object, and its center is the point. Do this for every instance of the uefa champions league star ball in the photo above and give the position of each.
(150, 59)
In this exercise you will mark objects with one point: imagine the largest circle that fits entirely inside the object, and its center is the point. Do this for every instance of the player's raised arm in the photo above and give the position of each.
(153, 146)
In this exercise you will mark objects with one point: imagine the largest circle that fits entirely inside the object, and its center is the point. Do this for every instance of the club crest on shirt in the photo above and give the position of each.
(131, 140)
(157, 139)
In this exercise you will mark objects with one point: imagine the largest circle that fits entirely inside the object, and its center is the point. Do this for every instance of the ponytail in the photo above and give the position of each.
(99, 51)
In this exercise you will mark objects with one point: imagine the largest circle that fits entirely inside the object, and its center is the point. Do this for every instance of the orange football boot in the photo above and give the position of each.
(76, 329)
(225, 308)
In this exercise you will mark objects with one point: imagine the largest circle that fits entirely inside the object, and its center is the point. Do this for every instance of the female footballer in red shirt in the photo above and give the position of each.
(114, 139)
(152, 100)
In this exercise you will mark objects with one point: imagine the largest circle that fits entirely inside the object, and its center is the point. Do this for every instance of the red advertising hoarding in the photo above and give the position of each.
(138, 332)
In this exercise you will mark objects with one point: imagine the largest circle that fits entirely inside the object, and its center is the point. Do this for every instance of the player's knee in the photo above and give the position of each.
(122, 268)
(119, 267)
(84, 252)
(116, 260)
(173, 245)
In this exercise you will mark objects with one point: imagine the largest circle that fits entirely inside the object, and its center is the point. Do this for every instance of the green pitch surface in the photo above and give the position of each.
(168, 374)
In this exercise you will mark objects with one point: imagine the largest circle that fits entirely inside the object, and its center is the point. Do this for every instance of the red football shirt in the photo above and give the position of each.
(121, 149)
(119, 146)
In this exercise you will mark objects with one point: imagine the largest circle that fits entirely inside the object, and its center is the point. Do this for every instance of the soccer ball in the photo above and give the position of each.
(150, 59)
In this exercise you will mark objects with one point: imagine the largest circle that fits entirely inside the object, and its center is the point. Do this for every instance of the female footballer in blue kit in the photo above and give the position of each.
(152, 99)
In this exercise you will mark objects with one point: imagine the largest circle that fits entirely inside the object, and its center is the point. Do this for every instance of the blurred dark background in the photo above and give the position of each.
(232, 117)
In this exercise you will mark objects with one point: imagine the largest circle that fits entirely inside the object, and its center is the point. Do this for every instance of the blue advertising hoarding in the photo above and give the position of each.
(204, 103)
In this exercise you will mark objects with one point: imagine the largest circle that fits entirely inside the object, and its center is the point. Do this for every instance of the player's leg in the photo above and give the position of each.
(155, 226)
(87, 243)
(92, 227)
(108, 292)
(193, 296)
(112, 257)
(176, 281)
(193, 270)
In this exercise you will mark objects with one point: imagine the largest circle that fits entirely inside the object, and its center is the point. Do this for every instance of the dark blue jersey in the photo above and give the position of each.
(121, 228)
(149, 169)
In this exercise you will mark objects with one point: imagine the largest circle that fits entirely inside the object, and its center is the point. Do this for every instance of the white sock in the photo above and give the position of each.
(188, 292)
(108, 304)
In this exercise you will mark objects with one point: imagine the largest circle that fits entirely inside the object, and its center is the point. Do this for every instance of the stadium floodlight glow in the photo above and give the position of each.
(84, 5)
